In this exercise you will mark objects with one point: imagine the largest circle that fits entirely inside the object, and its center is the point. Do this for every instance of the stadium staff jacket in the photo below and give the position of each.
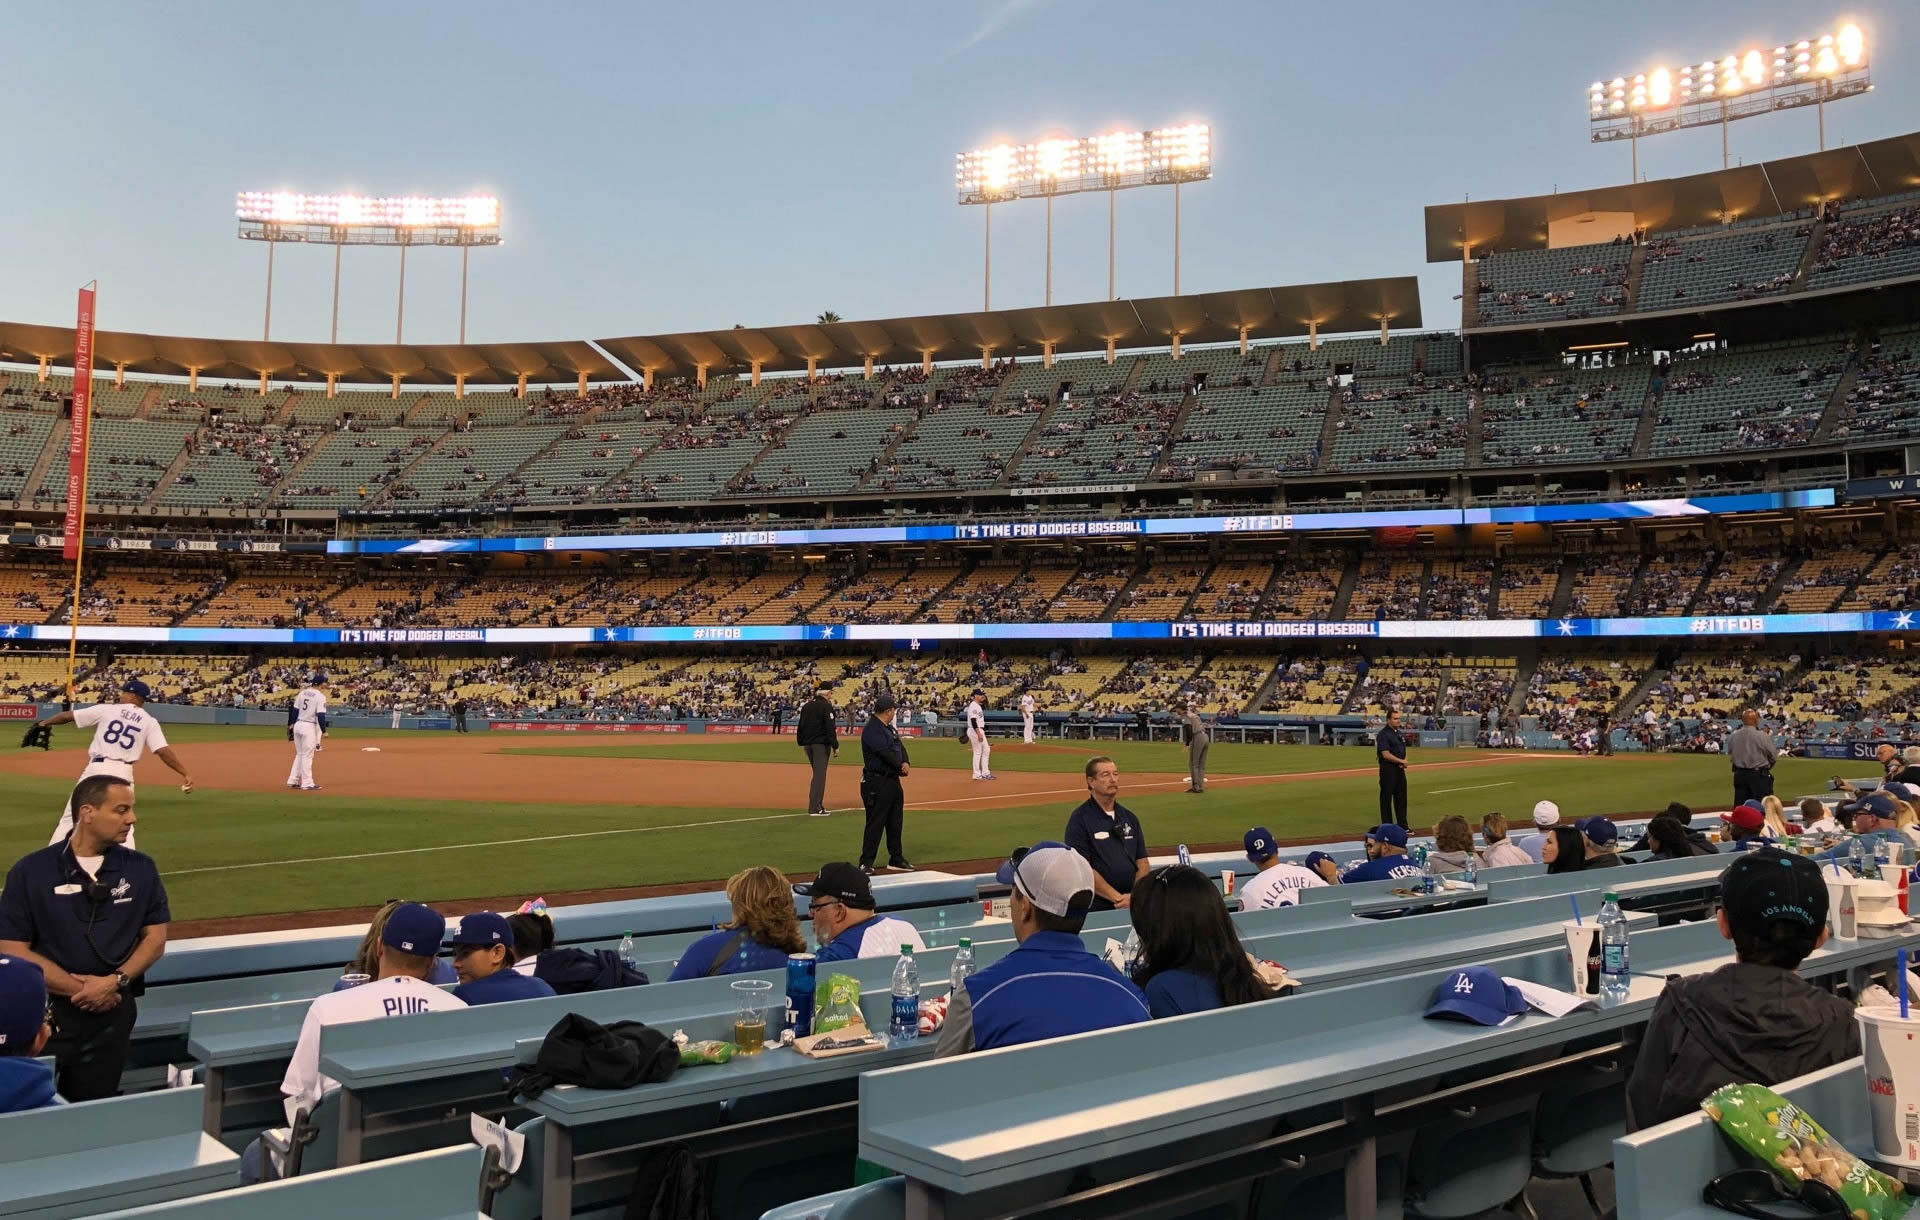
(48, 905)
(1111, 845)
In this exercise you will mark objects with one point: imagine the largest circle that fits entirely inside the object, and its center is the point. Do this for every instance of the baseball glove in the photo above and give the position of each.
(40, 735)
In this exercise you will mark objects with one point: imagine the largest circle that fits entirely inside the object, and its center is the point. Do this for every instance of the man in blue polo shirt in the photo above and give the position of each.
(1108, 836)
(1386, 856)
(483, 958)
(25, 1082)
(93, 916)
(1049, 986)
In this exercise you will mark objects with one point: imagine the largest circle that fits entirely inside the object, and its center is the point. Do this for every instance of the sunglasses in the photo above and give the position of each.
(1761, 1194)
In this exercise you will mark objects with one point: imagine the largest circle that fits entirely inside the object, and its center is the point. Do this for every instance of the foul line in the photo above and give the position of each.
(414, 851)
(1471, 788)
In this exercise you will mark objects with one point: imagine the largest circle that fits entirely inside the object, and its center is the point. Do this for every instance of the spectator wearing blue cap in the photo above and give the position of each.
(1600, 842)
(25, 1083)
(1386, 856)
(1191, 959)
(1277, 883)
(483, 958)
(408, 946)
(1049, 986)
(122, 729)
(1324, 866)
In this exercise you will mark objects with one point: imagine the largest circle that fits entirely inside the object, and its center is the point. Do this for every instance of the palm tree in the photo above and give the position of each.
(828, 316)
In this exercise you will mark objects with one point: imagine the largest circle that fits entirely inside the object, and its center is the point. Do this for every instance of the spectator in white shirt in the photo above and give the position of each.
(408, 947)
(1276, 884)
(1501, 852)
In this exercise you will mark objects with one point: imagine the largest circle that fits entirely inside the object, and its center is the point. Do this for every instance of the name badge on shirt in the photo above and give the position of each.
(64, 890)
(1101, 834)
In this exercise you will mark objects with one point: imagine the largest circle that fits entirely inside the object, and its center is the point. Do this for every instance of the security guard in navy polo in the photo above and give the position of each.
(92, 914)
(1108, 835)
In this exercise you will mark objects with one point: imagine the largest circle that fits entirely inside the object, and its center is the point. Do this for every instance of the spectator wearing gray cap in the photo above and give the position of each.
(883, 764)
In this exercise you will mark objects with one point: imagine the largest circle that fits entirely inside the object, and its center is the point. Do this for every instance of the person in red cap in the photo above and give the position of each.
(1746, 823)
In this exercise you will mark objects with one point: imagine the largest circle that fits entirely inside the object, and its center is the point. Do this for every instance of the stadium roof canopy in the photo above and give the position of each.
(1265, 313)
(1212, 317)
(1769, 188)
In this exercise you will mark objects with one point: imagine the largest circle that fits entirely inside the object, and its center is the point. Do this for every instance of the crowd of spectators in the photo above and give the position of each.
(1875, 238)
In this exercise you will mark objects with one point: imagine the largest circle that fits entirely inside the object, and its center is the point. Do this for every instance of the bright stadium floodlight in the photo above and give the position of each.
(273, 217)
(1111, 162)
(1739, 85)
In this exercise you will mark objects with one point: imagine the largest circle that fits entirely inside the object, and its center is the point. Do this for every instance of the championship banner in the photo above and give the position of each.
(82, 423)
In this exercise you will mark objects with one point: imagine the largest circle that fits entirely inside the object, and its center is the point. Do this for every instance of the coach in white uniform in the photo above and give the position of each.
(408, 946)
(121, 731)
(306, 725)
(977, 734)
(1277, 884)
(1026, 716)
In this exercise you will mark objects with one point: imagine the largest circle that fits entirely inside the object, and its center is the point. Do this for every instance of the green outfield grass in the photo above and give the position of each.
(241, 853)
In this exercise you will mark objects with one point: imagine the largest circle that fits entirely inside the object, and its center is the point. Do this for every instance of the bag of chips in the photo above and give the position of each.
(1799, 1150)
(839, 1003)
(693, 1054)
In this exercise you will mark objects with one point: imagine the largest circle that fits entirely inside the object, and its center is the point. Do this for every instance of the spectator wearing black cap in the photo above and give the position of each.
(483, 957)
(408, 945)
(1049, 986)
(92, 914)
(1753, 1020)
(122, 729)
(1277, 883)
(840, 900)
(25, 1082)
(1108, 836)
(814, 733)
(883, 764)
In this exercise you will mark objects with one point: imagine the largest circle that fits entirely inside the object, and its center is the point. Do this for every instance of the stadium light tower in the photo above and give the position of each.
(1811, 72)
(356, 220)
(1169, 156)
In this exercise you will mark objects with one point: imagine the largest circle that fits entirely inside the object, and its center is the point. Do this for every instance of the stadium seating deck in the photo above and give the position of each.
(1741, 263)
(1550, 285)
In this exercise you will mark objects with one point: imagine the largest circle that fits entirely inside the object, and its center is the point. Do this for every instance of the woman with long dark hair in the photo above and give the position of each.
(1564, 851)
(1668, 838)
(1191, 959)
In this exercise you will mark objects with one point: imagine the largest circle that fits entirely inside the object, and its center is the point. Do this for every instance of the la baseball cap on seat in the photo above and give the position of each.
(1477, 994)
(137, 688)
(842, 881)
(1051, 876)
(415, 928)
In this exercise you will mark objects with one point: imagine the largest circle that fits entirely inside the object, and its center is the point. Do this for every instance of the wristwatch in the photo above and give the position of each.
(121, 978)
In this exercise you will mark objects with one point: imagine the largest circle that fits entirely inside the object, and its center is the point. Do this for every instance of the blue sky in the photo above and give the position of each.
(673, 167)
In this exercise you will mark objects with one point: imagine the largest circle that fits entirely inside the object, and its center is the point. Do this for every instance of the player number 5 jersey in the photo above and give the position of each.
(309, 705)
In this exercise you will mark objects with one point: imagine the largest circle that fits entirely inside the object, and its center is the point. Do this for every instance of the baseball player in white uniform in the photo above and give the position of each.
(1276, 883)
(977, 735)
(121, 730)
(306, 725)
(1026, 716)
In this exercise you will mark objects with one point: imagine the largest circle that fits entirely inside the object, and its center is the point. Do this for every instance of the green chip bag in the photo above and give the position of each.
(1798, 1149)
(839, 1003)
(693, 1054)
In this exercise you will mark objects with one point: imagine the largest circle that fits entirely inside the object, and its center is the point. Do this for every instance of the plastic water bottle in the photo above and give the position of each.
(962, 966)
(627, 955)
(1472, 873)
(1613, 952)
(1428, 882)
(1185, 856)
(1857, 857)
(905, 1023)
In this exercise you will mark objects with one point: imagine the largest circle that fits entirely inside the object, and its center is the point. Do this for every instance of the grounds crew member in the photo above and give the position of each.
(814, 733)
(92, 914)
(121, 730)
(883, 764)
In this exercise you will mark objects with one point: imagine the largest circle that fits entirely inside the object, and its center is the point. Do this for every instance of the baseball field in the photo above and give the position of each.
(493, 817)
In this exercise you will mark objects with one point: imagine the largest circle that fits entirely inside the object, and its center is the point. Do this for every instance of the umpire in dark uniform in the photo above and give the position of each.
(883, 764)
(813, 732)
(93, 916)
(1390, 747)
